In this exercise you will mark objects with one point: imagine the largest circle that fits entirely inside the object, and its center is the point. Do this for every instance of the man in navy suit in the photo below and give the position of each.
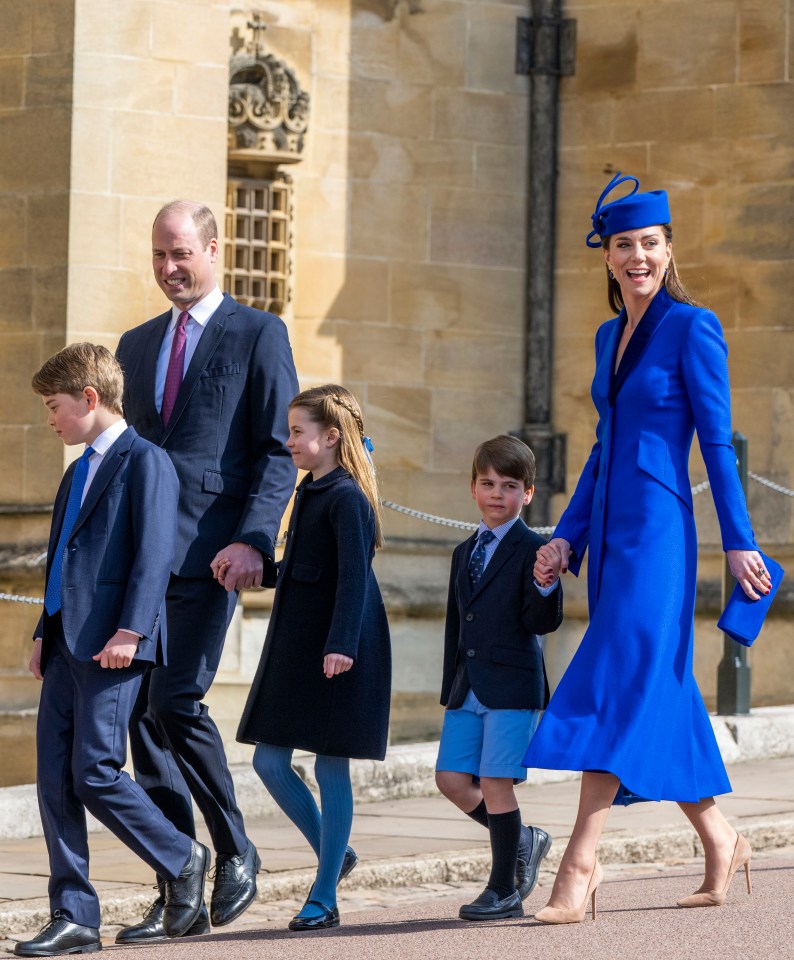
(108, 563)
(209, 381)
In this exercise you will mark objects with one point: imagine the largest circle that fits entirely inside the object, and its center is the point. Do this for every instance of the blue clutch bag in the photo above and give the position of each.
(742, 617)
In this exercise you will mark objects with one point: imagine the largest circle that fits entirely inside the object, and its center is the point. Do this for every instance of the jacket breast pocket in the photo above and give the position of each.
(306, 572)
(224, 370)
(514, 657)
(667, 465)
(224, 484)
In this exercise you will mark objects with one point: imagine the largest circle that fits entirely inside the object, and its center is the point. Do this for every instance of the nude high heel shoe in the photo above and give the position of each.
(561, 915)
(716, 898)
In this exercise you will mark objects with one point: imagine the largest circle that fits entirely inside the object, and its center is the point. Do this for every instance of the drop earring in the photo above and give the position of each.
(611, 275)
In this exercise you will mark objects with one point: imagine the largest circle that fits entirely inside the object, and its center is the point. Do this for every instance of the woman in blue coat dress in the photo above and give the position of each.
(628, 712)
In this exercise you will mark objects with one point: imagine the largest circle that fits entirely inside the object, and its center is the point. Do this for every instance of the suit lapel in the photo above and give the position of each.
(148, 368)
(502, 554)
(111, 462)
(208, 343)
(463, 579)
(602, 381)
(646, 329)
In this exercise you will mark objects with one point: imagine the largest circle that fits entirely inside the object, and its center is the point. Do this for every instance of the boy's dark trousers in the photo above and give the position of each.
(82, 744)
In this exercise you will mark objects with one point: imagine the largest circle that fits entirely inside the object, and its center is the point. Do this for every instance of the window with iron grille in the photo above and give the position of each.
(256, 255)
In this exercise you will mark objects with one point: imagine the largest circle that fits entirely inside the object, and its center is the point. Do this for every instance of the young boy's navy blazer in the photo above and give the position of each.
(116, 568)
(119, 555)
(490, 643)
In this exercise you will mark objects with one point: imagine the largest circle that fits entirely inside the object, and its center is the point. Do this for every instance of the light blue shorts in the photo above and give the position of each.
(484, 742)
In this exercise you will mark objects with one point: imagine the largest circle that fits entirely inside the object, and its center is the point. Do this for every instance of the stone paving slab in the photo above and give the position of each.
(415, 841)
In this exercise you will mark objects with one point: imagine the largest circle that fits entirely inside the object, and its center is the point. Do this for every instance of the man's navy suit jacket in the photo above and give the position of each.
(490, 642)
(228, 430)
(118, 558)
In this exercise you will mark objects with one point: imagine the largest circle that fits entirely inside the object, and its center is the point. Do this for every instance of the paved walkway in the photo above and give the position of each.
(405, 843)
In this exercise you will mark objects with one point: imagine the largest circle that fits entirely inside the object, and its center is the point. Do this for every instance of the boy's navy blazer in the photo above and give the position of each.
(118, 558)
(227, 433)
(490, 641)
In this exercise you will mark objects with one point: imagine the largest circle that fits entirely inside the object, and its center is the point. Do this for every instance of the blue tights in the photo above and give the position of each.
(328, 833)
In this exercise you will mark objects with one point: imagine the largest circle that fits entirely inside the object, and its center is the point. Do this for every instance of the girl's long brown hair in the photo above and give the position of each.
(333, 406)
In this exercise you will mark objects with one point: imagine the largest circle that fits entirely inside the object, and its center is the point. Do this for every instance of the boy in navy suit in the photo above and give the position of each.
(494, 683)
(108, 564)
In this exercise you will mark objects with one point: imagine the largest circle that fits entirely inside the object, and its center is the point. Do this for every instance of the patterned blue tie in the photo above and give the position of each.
(477, 561)
(52, 595)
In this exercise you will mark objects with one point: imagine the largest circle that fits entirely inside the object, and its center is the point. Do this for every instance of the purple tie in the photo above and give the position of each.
(176, 367)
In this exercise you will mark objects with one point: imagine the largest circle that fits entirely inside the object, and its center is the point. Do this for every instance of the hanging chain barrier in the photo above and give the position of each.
(459, 524)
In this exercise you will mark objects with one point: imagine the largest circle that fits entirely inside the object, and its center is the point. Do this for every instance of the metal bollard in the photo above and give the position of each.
(733, 673)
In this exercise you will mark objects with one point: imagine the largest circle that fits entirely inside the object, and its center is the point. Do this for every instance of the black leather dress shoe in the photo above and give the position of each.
(151, 929)
(323, 921)
(59, 936)
(488, 906)
(533, 846)
(235, 885)
(184, 896)
(349, 862)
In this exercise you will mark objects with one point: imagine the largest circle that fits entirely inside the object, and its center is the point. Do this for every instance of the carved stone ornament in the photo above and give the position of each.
(268, 111)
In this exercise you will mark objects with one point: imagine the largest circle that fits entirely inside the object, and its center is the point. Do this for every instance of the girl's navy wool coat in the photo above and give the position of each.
(327, 601)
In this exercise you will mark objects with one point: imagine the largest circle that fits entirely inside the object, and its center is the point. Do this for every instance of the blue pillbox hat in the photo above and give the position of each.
(632, 212)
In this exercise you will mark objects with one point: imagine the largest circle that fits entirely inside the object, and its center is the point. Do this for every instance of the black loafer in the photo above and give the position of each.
(151, 929)
(533, 846)
(488, 906)
(184, 895)
(323, 921)
(235, 885)
(59, 936)
(349, 862)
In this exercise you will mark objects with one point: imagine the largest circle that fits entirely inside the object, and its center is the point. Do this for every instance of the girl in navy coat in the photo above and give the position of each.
(628, 711)
(324, 679)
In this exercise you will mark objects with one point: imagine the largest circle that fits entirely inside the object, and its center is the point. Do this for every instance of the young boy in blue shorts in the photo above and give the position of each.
(494, 682)
(108, 563)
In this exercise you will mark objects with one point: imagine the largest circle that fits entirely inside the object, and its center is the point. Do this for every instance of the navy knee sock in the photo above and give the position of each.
(479, 814)
(336, 800)
(274, 766)
(505, 830)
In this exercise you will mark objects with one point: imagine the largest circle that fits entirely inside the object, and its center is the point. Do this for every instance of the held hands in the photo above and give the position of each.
(238, 567)
(748, 568)
(551, 561)
(334, 663)
(118, 652)
(35, 659)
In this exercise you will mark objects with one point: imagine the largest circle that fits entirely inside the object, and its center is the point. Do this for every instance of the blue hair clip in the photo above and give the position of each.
(369, 447)
(598, 226)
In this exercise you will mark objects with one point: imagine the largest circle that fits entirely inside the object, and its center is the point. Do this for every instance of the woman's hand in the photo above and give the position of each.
(551, 561)
(334, 663)
(748, 568)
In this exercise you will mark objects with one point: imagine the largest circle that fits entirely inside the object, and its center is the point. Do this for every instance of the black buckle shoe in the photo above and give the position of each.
(59, 936)
(151, 929)
(184, 896)
(323, 921)
(348, 863)
(533, 846)
(235, 885)
(489, 906)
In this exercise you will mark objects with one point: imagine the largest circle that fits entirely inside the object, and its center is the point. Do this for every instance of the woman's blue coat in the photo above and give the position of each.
(628, 703)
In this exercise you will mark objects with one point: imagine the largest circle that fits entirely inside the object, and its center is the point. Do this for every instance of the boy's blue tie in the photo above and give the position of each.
(52, 595)
(477, 561)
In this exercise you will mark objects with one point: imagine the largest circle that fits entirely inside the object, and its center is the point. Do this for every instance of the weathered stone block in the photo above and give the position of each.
(42, 137)
(763, 159)
(374, 46)
(121, 28)
(464, 417)
(12, 441)
(48, 230)
(403, 160)
(453, 297)
(490, 51)
(749, 110)
(201, 91)
(105, 311)
(399, 108)
(52, 25)
(432, 46)
(482, 117)
(342, 288)
(124, 83)
(765, 291)
(20, 354)
(178, 34)
(17, 32)
(321, 209)
(318, 353)
(12, 82)
(455, 359)
(95, 230)
(49, 300)
(399, 421)
(16, 305)
(384, 355)
(684, 44)
(388, 223)
(92, 136)
(587, 121)
(481, 228)
(48, 80)
(766, 356)
(13, 229)
(607, 49)
(751, 222)
(650, 114)
(762, 40)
